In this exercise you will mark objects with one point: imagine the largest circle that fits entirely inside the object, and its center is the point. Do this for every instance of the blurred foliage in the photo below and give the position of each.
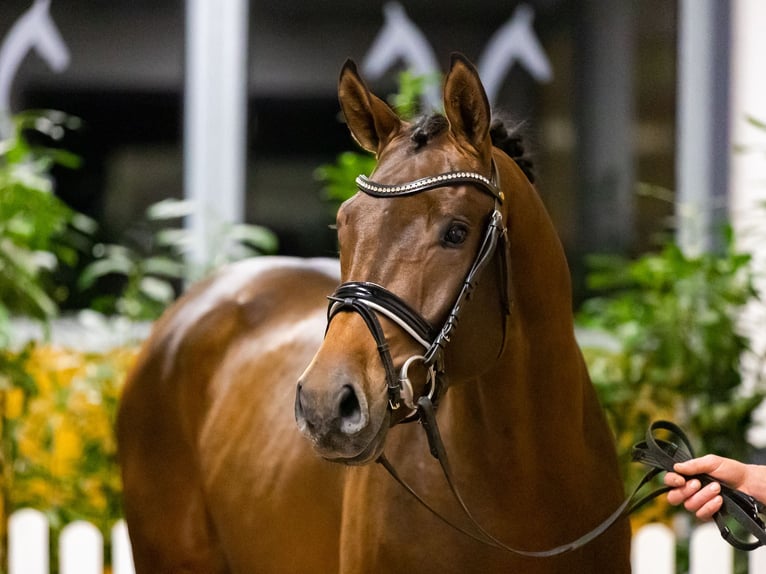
(671, 347)
(38, 232)
(59, 421)
(339, 178)
(59, 412)
(406, 101)
(154, 269)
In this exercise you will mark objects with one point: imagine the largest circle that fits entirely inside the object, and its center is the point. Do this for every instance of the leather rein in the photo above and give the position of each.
(369, 300)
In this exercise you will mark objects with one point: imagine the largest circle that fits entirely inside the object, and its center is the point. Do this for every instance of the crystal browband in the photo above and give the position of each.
(450, 178)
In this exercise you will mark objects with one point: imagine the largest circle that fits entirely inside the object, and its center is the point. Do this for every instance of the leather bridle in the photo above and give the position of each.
(369, 300)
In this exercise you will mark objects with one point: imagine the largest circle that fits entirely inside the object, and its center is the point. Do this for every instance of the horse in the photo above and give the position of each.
(452, 290)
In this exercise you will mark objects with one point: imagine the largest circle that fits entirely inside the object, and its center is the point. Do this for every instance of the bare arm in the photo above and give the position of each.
(704, 502)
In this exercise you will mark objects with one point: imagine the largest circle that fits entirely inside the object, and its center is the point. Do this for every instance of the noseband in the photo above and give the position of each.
(369, 299)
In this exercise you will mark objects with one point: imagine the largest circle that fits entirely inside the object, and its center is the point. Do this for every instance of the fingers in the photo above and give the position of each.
(707, 510)
(704, 502)
(682, 493)
(674, 480)
(724, 469)
(705, 464)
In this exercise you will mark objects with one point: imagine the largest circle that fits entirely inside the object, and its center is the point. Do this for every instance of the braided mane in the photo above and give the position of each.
(512, 143)
(507, 139)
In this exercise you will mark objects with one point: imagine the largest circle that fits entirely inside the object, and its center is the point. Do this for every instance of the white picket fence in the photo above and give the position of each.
(81, 549)
(81, 546)
(654, 552)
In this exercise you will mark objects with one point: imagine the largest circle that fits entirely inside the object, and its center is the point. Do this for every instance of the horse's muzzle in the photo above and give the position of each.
(337, 422)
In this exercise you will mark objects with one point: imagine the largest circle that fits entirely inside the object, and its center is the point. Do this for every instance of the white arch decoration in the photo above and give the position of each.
(34, 30)
(513, 43)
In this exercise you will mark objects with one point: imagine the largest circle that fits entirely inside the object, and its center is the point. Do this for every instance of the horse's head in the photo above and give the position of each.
(411, 248)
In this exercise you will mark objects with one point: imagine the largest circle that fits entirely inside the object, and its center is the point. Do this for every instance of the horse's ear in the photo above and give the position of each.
(465, 103)
(371, 121)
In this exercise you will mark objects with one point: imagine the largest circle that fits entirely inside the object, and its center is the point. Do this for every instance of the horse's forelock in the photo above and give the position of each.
(508, 139)
(426, 128)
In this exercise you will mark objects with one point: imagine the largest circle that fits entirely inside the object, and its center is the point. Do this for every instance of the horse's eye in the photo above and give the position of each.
(456, 234)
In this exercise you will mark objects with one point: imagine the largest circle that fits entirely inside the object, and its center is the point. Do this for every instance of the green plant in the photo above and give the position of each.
(151, 273)
(406, 100)
(672, 347)
(36, 227)
(339, 177)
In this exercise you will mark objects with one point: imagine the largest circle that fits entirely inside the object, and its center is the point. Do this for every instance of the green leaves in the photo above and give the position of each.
(37, 229)
(676, 346)
(339, 178)
(406, 101)
(152, 274)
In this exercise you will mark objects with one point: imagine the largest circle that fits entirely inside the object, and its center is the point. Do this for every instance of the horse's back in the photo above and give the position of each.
(210, 452)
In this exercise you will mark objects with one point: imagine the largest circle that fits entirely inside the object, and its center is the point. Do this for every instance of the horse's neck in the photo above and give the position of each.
(534, 398)
(537, 398)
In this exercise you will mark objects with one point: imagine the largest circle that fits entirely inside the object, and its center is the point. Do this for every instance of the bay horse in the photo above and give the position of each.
(216, 476)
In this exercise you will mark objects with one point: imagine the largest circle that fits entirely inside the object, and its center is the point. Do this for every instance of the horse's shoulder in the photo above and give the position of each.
(280, 277)
(241, 298)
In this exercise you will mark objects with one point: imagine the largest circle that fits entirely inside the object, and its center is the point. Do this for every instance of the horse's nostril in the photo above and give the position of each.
(349, 409)
(300, 414)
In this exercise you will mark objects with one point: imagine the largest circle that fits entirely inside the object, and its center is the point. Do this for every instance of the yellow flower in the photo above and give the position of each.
(64, 435)
(39, 489)
(14, 403)
(93, 490)
(67, 449)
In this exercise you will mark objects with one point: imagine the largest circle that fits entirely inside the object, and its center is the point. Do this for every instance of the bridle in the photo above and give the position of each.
(369, 300)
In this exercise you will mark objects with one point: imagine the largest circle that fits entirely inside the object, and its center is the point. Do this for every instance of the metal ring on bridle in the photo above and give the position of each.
(406, 390)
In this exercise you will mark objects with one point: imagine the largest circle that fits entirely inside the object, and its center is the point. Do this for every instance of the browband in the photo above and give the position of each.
(425, 183)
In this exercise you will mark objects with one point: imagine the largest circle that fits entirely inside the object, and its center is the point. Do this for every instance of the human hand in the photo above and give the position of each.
(705, 502)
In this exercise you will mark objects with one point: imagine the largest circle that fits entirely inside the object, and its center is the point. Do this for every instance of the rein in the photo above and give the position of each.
(369, 300)
(660, 455)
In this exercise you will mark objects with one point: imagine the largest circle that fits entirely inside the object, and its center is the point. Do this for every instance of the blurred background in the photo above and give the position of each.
(140, 140)
(604, 120)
